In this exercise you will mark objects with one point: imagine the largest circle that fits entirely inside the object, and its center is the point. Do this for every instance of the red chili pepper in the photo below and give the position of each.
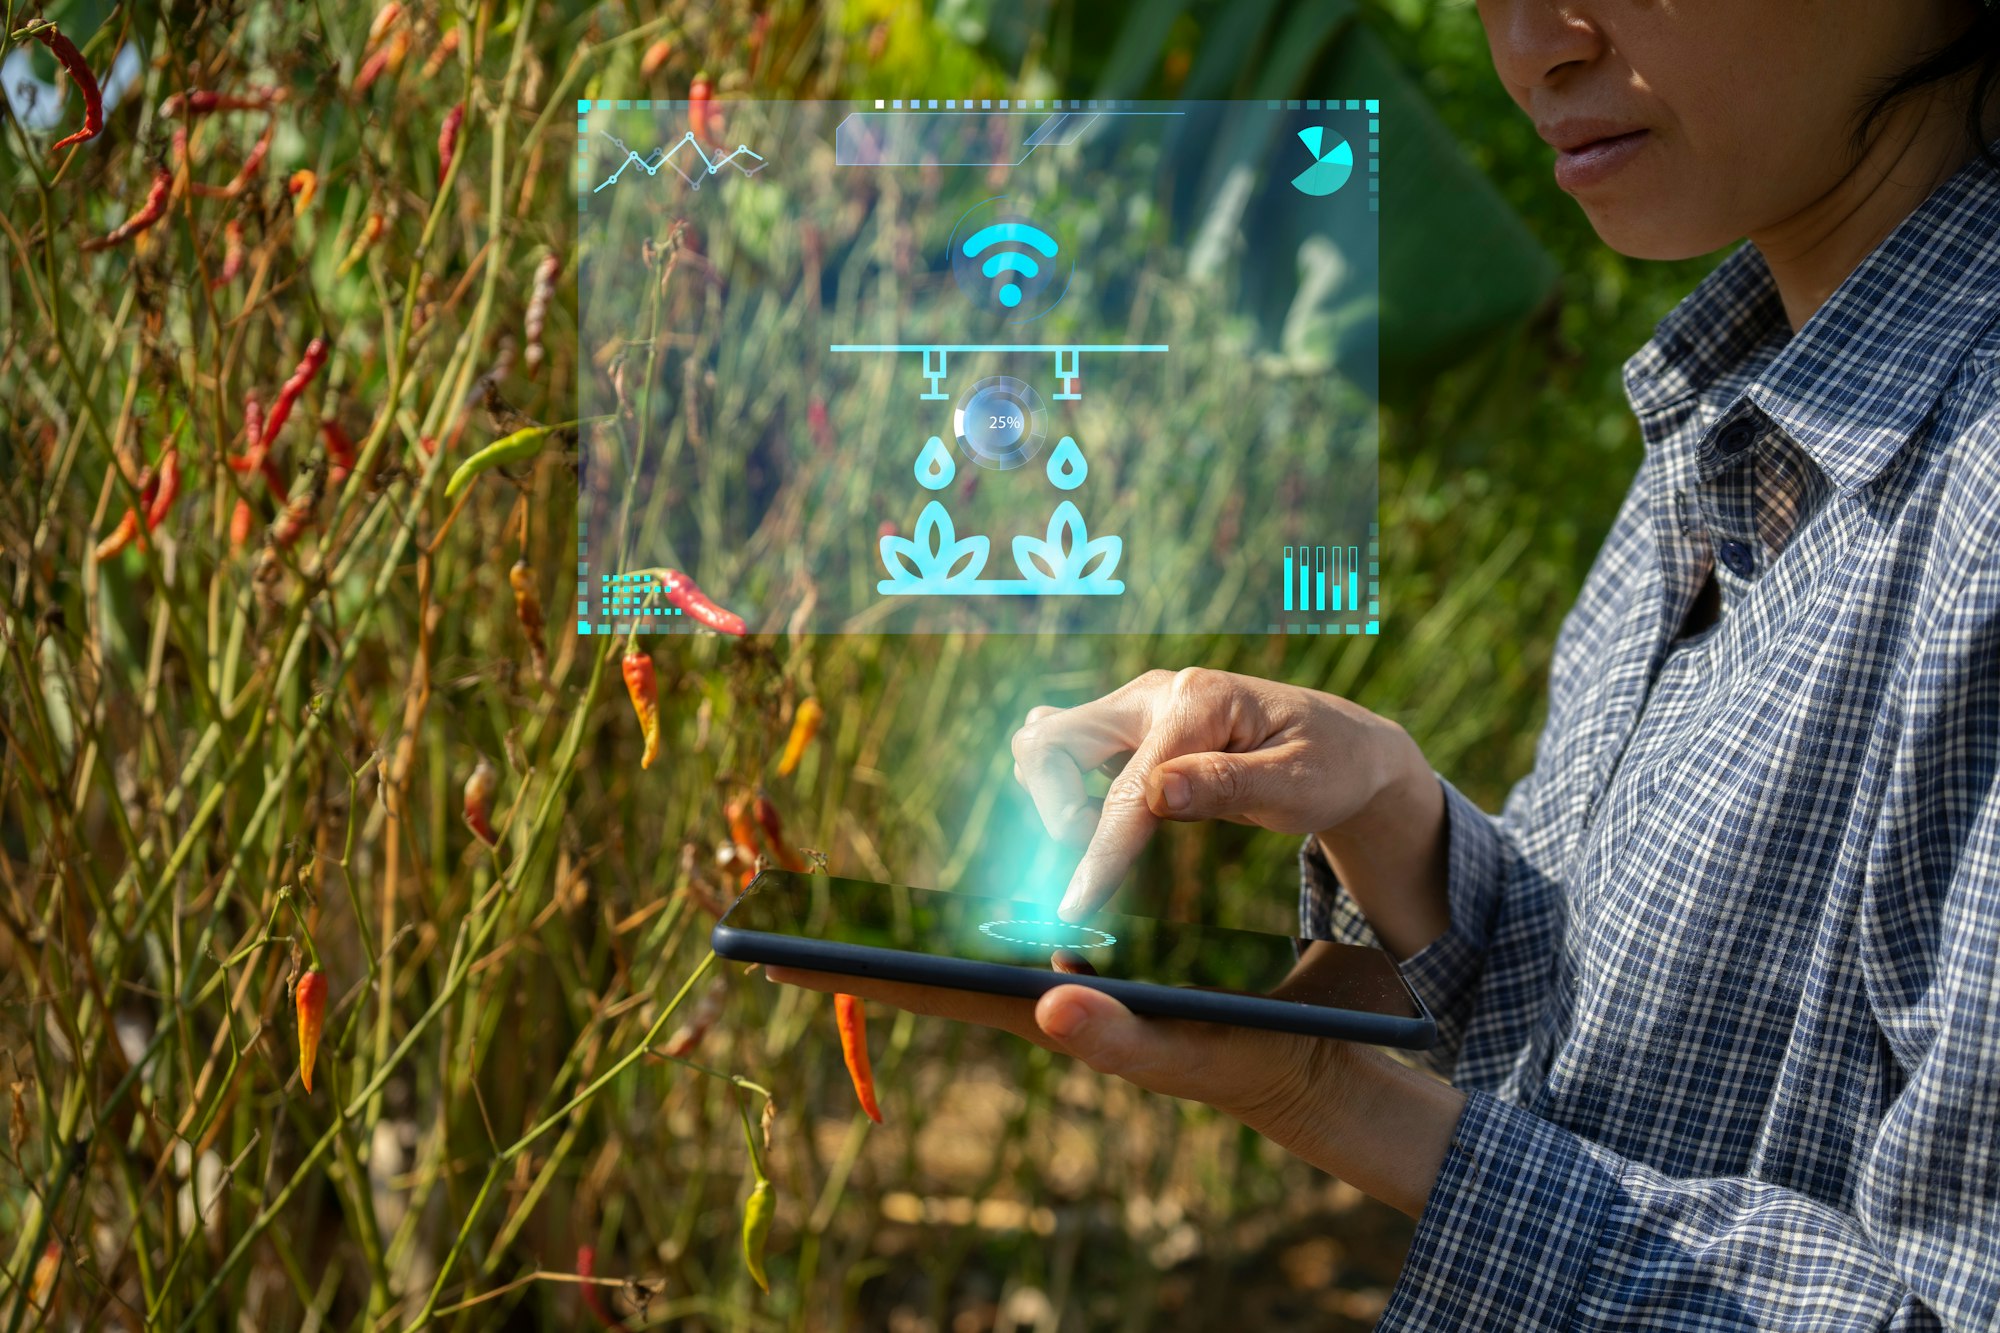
(644, 688)
(848, 1014)
(232, 255)
(256, 457)
(689, 1034)
(682, 592)
(167, 490)
(71, 59)
(252, 166)
(388, 58)
(150, 212)
(479, 790)
(774, 833)
(820, 424)
(240, 520)
(340, 453)
(289, 391)
(310, 996)
(448, 139)
(593, 1294)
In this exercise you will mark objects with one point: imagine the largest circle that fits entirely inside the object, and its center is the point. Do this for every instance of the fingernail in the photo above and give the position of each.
(1174, 790)
(1072, 903)
(1066, 1021)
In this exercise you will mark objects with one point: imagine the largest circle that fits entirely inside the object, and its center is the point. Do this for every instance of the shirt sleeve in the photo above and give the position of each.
(1531, 1226)
(1445, 973)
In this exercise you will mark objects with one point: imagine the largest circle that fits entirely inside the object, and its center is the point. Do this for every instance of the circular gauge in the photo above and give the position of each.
(999, 423)
(1048, 934)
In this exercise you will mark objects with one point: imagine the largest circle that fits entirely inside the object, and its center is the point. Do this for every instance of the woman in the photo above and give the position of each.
(1720, 987)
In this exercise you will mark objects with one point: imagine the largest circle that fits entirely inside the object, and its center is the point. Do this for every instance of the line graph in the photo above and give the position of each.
(664, 157)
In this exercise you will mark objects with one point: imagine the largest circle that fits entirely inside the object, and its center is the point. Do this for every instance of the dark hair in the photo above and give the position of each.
(1977, 48)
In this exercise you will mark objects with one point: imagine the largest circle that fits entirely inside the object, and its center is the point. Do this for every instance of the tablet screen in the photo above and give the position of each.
(1023, 934)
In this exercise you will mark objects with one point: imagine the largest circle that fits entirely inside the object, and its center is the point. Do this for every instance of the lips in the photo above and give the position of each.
(1591, 161)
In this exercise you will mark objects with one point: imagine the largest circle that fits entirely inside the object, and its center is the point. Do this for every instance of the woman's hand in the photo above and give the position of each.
(1347, 1109)
(1201, 744)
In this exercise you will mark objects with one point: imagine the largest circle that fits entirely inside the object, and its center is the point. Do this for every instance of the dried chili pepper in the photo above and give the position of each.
(538, 306)
(689, 1034)
(682, 592)
(528, 610)
(71, 59)
(656, 56)
(205, 102)
(774, 833)
(479, 789)
(644, 688)
(302, 186)
(519, 447)
(448, 139)
(847, 1013)
(757, 1214)
(232, 255)
(371, 232)
(150, 212)
(289, 391)
(310, 996)
(805, 725)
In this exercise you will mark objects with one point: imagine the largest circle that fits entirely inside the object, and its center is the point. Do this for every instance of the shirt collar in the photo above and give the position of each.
(1852, 386)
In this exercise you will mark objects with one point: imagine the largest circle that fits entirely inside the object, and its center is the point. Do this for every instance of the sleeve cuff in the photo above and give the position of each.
(1510, 1229)
(1445, 972)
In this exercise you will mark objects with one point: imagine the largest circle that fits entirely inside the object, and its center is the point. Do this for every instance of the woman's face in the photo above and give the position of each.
(1684, 125)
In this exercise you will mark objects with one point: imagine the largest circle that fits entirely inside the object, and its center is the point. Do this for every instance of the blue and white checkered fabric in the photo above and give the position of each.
(1722, 981)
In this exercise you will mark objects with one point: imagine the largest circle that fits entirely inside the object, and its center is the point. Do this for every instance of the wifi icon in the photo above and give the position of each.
(1014, 245)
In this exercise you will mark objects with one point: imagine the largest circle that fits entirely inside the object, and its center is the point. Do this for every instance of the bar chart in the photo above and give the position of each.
(1339, 582)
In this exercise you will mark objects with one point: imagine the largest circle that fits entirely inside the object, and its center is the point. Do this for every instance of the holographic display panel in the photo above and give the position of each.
(920, 366)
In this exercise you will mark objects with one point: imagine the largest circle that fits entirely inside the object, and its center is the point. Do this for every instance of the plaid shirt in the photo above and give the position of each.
(1722, 980)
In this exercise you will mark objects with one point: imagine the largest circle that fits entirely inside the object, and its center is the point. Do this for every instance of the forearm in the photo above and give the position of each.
(1392, 855)
(1362, 1116)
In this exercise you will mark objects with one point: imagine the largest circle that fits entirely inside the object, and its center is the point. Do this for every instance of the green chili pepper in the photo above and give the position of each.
(519, 447)
(756, 1226)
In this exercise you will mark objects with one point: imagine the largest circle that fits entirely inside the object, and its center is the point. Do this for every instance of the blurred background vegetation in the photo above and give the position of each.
(222, 762)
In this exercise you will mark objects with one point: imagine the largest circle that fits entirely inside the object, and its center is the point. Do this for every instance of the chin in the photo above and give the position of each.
(1642, 229)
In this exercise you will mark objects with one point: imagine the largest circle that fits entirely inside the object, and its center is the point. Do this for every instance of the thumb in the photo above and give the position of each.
(1096, 1028)
(1213, 785)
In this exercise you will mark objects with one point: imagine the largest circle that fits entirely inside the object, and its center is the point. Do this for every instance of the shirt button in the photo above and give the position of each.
(1735, 438)
(1738, 558)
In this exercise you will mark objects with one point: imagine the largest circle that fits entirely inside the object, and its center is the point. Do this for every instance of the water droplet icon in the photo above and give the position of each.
(934, 466)
(1066, 466)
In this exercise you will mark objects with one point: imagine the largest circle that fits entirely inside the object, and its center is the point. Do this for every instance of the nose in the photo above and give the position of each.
(1538, 43)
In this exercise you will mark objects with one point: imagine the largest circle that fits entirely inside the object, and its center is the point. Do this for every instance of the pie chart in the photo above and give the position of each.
(1330, 168)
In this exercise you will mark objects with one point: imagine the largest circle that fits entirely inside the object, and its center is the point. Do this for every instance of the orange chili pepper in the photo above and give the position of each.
(310, 997)
(805, 725)
(446, 45)
(644, 688)
(656, 56)
(854, 1047)
(302, 186)
(167, 489)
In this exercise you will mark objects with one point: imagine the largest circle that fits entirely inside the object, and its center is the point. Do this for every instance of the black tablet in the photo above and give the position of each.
(998, 945)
